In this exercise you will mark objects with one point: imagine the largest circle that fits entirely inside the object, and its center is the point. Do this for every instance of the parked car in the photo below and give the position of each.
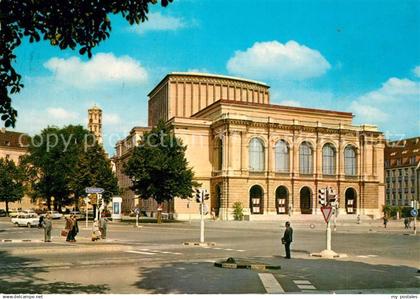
(54, 214)
(14, 212)
(26, 219)
(2, 213)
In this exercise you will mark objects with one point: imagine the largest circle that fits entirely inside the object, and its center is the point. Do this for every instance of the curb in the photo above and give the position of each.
(206, 244)
(20, 241)
(259, 267)
(230, 263)
(70, 249)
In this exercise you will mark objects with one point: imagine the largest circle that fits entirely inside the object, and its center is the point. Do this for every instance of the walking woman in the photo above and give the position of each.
(75, 228)
(69, 228)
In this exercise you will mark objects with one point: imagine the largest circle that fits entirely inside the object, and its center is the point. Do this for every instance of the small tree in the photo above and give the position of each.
(158, 168)
(93, 169)
(11, 182)
(238, 211)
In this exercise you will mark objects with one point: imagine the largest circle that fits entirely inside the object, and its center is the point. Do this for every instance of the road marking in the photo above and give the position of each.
(418, 277)
(372, 255)
(301, 281)
(270, 283)
(141, 252)
(362, 256)
(240, 250)
(306, 287)
(228, 249)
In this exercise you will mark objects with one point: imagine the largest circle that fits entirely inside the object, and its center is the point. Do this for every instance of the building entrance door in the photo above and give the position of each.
(305, 201)
(256, 201)
(351, 201)
(282, 200)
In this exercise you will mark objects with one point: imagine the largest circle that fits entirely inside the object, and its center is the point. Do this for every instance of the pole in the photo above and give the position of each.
(87, 215)
(415, 219)
(137, 219)
(328, 236)
(202, 219)
(328, 224)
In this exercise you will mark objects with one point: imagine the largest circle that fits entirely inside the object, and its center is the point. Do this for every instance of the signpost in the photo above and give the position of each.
(201, 195)
(86, 207)
(327, 198)
(98, 192)
(414, 212)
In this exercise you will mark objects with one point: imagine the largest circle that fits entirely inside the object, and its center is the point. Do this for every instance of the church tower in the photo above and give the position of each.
(95, 122)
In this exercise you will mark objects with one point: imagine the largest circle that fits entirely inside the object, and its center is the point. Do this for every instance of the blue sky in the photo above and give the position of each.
(358, 56)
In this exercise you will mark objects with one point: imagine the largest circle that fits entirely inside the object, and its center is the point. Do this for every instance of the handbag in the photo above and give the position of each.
(283, 241)
(64, 232)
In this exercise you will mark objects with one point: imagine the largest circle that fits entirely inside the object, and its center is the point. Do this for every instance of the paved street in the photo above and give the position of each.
(153, 259)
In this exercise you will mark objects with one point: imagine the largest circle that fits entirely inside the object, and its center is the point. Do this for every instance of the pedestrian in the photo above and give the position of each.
(47, 225)
(213, 214)
(287, 239)
(41, 220)
(103, 225)
(69, 228)
(358, 218)
(406, 223)
(75, 229)
(96, 233)
(385, 221)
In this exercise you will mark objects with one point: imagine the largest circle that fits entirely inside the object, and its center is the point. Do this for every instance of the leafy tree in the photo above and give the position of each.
(93, 169)
(11, 182)
(158, 168)
(82, 24)
(52, 159)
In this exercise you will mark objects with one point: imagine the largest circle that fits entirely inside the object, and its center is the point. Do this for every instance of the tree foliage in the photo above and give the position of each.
(81, 24)
(11, 182)
(158, 168)
(93, 169)
(52, 159)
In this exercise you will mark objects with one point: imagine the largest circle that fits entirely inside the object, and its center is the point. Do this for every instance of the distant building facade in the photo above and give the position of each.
(271, 158)
(13, 145)
(402, 171)
(95, 122)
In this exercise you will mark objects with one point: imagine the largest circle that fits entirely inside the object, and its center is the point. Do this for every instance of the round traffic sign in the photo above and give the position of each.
(137, 211)
(414, 212)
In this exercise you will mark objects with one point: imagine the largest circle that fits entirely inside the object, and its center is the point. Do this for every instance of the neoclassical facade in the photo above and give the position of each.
(271, 158)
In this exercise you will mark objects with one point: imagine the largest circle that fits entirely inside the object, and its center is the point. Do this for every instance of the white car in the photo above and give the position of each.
(54, 215)
(26, 219)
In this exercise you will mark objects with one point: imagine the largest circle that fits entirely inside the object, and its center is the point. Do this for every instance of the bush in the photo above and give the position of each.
(238, 211)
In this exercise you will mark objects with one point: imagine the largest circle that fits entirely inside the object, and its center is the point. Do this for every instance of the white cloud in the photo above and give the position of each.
(103, 68)
(158, 22)
(274, 60)
(394, 106)
(416, 71)
(111, 119)
(61, 114)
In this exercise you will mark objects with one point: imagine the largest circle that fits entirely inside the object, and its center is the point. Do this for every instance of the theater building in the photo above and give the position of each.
(271, 158)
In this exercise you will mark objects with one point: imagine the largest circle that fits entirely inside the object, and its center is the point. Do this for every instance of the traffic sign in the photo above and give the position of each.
(94, 190)
(414, 212)
(137, 211)
(326, 212)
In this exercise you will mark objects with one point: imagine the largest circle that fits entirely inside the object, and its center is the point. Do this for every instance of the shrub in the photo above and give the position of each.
(238, 211)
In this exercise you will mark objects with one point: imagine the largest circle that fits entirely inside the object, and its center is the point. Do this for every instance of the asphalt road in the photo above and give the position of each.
(153, 259)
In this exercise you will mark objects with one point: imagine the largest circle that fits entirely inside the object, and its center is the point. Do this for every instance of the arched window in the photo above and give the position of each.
(328, 160)
(350, 163)
(219, 156)
(256, 155)
(282, 156)
(305, 158)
